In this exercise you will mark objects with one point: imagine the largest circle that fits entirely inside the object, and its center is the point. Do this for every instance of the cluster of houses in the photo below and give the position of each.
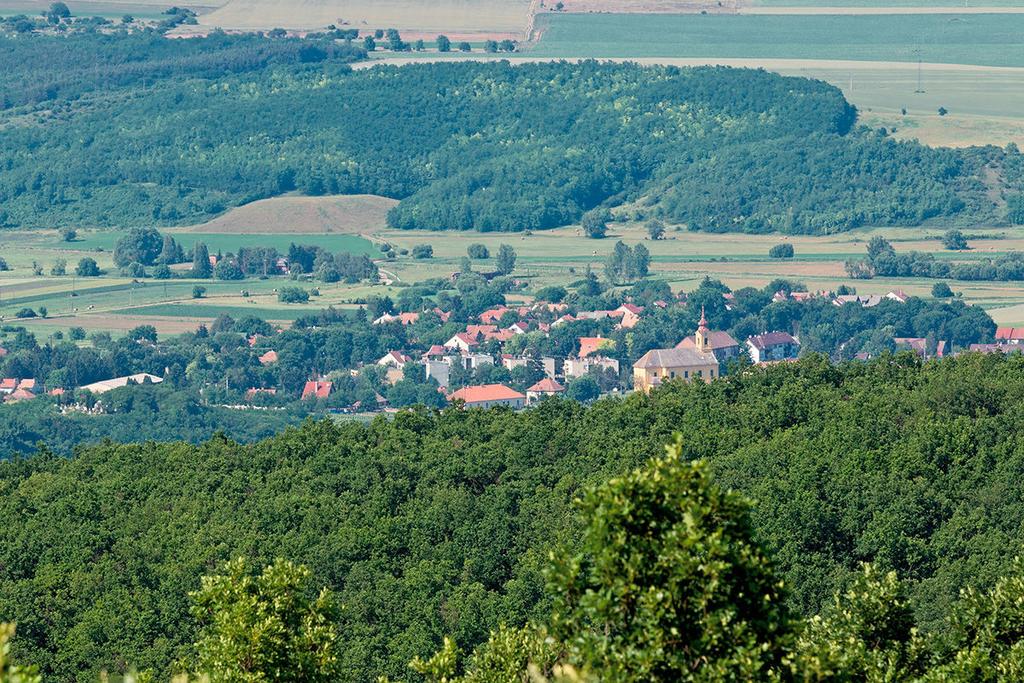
(14, 390)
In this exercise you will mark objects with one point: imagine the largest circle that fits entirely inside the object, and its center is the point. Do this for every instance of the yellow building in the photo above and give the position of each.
(663, 365)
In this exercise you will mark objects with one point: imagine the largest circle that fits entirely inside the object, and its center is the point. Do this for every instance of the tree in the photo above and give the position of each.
(170, 252)
(3, 265)
(43, 312)
(1015, 209)
(954, 240)
(505, 262)
(784, 250)
(444, 44)
(478, 251)
(201, 267)
(142, 332)
(140, 245)
(595, 223)
(9, 672)
(465, 47)
(76, 333)
(943, 111)
(491, 46)
(292, 295)
(655, 229)
(57, 12)
(422, 251)
(639, 262)
(583, 389)
(868, 635)
(227, 269)
(507, 45)
(941, 290)
(60, 267)
(369, 44)
(68, 234)
(271, 626)
(198, 292)
(87, 267)
(669, 581)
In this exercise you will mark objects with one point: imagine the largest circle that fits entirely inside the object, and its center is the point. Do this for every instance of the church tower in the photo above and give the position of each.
(703, 336)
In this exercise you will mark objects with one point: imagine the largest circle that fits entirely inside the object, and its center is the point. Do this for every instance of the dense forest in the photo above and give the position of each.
(179, 132)
(436, 524)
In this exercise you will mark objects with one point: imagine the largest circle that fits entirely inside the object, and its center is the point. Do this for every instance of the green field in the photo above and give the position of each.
(982, 39)
(187, 310)
(223, 242)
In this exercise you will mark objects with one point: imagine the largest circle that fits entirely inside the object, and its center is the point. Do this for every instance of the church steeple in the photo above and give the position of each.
(703, 336)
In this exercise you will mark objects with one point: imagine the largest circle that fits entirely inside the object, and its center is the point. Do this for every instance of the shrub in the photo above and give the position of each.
(781, 251)
(198, 292)
(292, 295)
(478, 251)
(422, 251)
(87, 267)
(940, 290)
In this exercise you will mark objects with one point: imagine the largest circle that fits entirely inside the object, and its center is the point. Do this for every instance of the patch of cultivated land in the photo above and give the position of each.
(435, 15)
(310, 215)
(979, 39)
(140, 9)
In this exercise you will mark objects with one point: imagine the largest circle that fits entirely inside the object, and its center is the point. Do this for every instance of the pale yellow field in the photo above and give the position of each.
(435, 15)
(304, 215)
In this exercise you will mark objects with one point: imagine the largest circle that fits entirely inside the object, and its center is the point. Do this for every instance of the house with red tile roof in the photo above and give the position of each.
(394, 359)
(493, 316)
(630, 315)
(1010, 335)
(544, 388)
(8, 385)
(19, 395)
(462, 341)
(480, 330)
(436, 351)
(269, 358)
(489, 396)
(316, 389)
(591, 345)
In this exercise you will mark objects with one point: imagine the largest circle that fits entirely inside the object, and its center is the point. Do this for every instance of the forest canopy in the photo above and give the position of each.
(436, 524)
(481, 146)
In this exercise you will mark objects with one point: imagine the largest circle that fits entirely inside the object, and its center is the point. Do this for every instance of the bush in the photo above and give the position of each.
(478, 252)
(76, 333)
(595, 223)
(25, 313)
(954, 240)
(781, 251)
(292, 295)
(227, 269)
(198, 292)
(422, 251)
(1015, 209)
(940, 290)
(87, 267)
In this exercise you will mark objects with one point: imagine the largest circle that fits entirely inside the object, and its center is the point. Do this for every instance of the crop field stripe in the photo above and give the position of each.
(978, 39)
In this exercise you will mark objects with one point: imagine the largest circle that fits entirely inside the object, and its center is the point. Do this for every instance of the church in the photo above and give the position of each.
(686, 363)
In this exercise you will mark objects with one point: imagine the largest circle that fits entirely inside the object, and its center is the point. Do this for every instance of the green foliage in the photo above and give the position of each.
(478, 251)
(492, 146)
(868, 634)
(198, 292)
(444, 44)
(941, 290)
(87, 267)
(954, 240)
(201, 267)
(9, 672)
(784, 250)
(655, 229)
(1015, 209)
(505, 262)
(292, 295)
(627, 264)
(140, 245)
(422, 251)
(595, 223)
(265, 627)
(669, 583)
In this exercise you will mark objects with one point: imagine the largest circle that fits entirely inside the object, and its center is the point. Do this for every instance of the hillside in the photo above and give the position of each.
(484, 146)
(438, 524)
(303, 215)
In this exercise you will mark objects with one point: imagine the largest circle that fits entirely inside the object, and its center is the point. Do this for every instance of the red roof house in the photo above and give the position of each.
(314, 389)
